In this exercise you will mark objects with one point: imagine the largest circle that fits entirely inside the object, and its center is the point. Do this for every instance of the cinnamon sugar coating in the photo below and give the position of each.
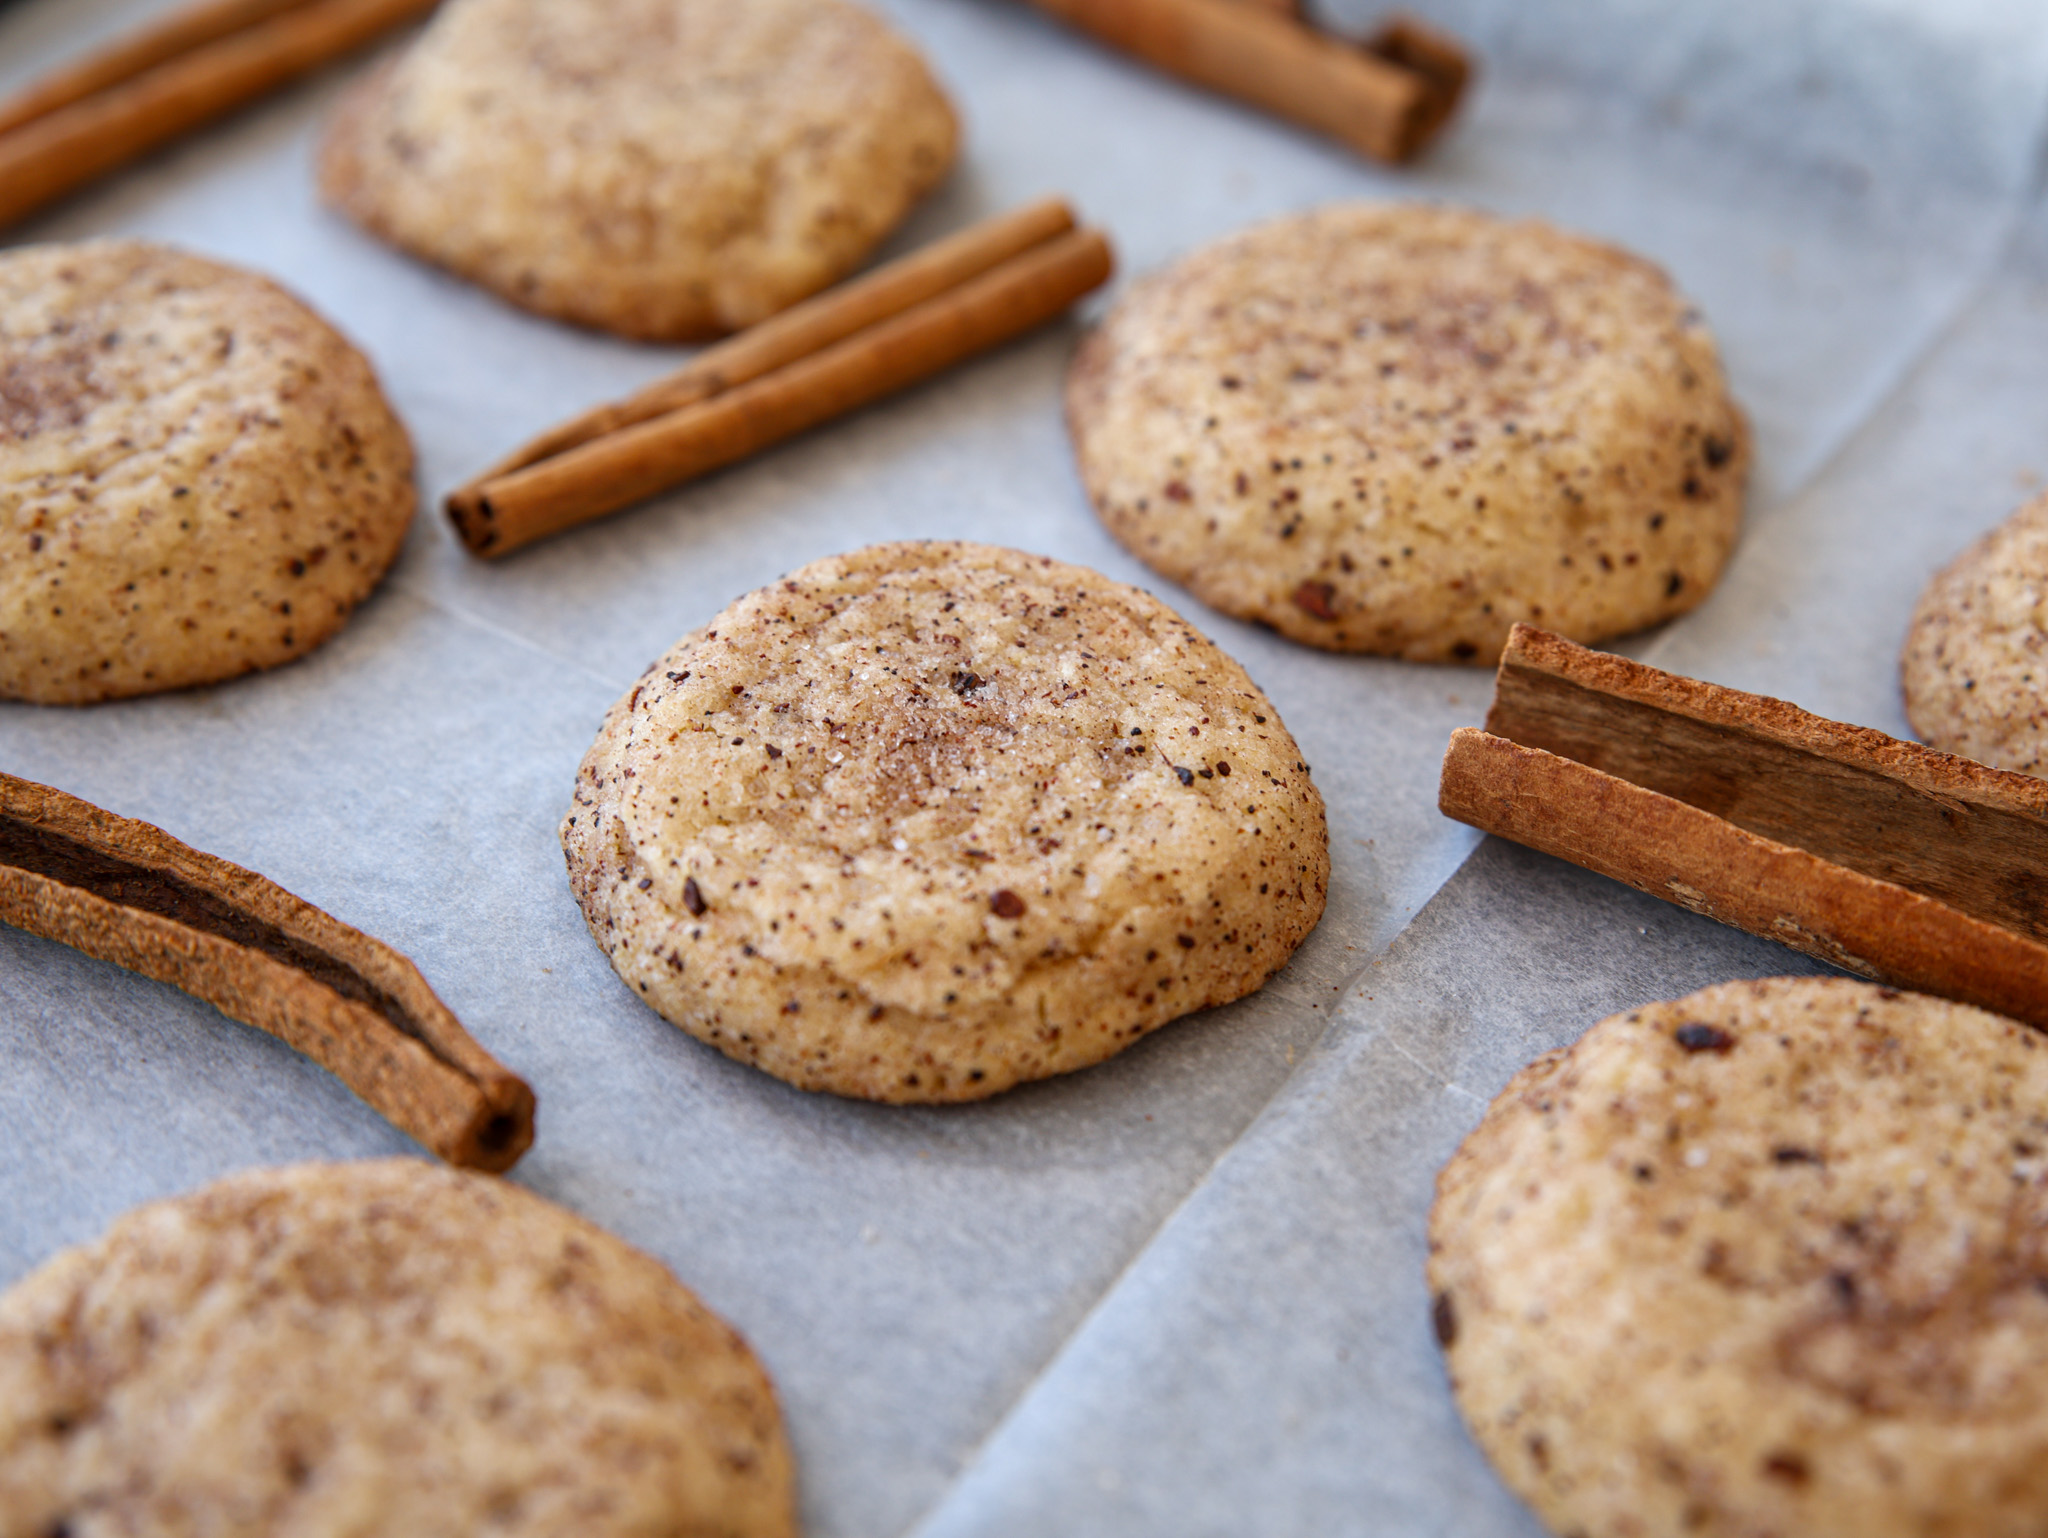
(1975, 664)
(198, 476)
(1400, 429)
(382, 1347)
(923, 821)
(665, 169)
(1768, 1259)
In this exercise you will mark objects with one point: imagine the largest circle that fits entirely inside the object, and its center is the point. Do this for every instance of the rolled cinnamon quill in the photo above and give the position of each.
(129, 893)
(769, 384)
(179, 31)
(1387, 99)
(1882, 857)
(196, 65)
(804, 329)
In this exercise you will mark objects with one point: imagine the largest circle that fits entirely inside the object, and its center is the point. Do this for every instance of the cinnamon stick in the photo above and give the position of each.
(129, 893)
(603, 474)
(1883, 857)
(1409, 43)
(1377, 105)
(179, 31)
(198, 66)
(803, 329)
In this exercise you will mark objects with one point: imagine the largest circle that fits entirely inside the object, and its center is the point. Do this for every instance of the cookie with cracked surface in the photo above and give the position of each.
(1768, 1259)
(388, 1346)
(927, 820)
(1975, 663)
(664, 169)
(1399, 429)
(200, 477)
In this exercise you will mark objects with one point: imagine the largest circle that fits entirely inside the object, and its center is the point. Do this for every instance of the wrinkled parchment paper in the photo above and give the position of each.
(1179, 1293)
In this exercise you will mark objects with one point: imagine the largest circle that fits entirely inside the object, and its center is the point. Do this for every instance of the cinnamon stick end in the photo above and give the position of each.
(500, 1130)
(1438, 61)
(475, 521)
(1469, 758)
(1097, 266)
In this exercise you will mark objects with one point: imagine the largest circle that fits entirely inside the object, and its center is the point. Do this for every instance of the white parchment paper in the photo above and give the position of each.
(1178, 1293)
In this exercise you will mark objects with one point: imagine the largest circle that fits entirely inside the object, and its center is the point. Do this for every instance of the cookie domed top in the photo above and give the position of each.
(1766, 1259)
(198, 476)
(925, 820)
(386, 1346)
(666, 169)
(1975, 665)
(1400, 429)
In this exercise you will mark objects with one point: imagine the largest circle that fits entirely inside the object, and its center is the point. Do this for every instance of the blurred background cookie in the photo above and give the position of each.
(200, 476)
(388, 1347)
(1765, 1259)
(665, 169)
(923, 821)
(1975, 664)
(1400, 429)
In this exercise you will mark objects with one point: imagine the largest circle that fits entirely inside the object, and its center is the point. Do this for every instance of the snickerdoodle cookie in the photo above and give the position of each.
(1975, 665)
(665, 169)
(923, 821)
(1769, 1259)
(1399, 429)
(386, 1347)
(200, 477)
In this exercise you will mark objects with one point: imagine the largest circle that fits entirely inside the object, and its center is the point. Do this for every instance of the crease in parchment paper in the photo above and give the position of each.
(1305, 1340)
(441, 605)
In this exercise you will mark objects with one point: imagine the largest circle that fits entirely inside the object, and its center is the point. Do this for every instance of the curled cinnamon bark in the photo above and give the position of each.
(1883, 857)
(1387, 99)
(170, 36)
(879, 335)
(196, 65)
(805, 328)
(129, 893)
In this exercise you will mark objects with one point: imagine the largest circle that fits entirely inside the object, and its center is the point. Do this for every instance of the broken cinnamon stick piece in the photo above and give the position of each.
(1882, 857)
(803, 329)
(1378, 105)
(505, 512)
(129, 893)
(198, 66)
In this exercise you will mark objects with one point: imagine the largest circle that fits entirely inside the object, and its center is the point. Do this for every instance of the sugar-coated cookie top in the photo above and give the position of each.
(199, 476)
(1400, 428)
(996, 811)
(1975, 665)
(384, 1347)
(668, 169)
(1772, 1258)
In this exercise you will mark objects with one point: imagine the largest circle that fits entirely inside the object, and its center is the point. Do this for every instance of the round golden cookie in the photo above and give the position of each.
(1975, 664)
(923, 821)
(198, 476)
(1400, 429)
(1768, 1260)
(664, 169)
(386, 1347)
